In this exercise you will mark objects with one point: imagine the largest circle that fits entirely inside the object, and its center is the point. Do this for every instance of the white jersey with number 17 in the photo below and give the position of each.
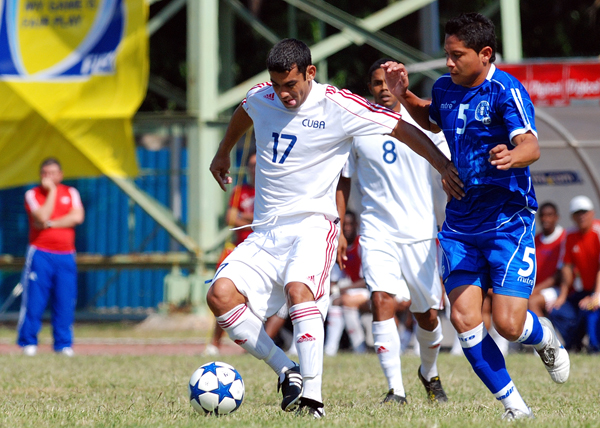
(301, 152)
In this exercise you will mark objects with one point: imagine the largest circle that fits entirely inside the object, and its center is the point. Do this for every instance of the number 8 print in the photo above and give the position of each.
(389, 150)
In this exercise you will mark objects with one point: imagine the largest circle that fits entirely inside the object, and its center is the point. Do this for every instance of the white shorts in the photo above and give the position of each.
(550, 295)
(408, 271)
(297, 249)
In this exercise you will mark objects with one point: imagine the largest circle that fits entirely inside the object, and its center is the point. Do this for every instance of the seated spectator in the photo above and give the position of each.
(549, 248)
(580, 279)
(349, 295)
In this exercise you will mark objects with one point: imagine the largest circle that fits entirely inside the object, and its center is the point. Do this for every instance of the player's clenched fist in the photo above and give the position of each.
(219, 167)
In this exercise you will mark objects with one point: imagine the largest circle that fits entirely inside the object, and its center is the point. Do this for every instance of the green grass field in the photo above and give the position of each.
(151, 391)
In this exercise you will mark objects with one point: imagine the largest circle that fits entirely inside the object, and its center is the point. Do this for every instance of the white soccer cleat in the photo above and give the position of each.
(554, 356)
(66, 352)
(514, 414)
(30, 350)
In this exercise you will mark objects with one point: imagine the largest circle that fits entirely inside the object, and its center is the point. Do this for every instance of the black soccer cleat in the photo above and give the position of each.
(435, 391)
(392, 398)
(310, 408)
(291, 389)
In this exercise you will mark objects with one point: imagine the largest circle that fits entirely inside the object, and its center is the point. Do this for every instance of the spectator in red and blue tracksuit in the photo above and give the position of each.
(50, 271)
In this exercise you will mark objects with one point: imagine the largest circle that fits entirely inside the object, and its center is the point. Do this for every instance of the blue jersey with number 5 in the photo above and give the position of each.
(475, 120)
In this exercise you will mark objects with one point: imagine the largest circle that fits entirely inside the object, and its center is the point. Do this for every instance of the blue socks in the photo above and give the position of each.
(533, 332)
(485, 358)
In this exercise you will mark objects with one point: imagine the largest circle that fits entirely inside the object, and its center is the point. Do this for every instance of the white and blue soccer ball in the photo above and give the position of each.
(216, 388)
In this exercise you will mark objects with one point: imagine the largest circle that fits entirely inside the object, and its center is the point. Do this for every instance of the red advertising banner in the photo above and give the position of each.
(556, 84)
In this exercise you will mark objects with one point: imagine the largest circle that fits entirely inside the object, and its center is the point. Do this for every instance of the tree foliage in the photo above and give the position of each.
(561, 28)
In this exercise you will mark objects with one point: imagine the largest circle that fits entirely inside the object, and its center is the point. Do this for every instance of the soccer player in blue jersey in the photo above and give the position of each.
(488, 236)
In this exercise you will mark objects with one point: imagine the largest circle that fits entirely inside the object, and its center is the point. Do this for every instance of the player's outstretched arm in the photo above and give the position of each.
(396, 79)
(423, 146)
(525, 152)
(219, 167)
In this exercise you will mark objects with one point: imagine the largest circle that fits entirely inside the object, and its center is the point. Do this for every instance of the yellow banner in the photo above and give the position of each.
(72, 75)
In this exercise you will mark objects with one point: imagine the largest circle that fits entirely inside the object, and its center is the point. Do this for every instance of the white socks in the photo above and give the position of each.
(429, 343)
(335, 329)
(309, 336)
(245, 329)
(354, 329)
(387, 347)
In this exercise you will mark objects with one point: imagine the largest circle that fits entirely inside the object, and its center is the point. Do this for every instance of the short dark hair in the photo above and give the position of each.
(551, 205)
(50, 161)
(288, 53)
(377, 64)
(474, 30)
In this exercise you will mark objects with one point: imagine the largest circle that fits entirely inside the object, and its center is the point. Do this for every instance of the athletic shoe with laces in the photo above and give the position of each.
(514, 414)
(310, 408)
(392, 398)
(291, 389)
(554, 356)
(434, 388)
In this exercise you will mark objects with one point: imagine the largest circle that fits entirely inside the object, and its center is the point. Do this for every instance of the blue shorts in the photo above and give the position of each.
(503, 258)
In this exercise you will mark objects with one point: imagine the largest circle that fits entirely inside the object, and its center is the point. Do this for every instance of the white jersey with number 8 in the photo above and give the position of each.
(396, 187)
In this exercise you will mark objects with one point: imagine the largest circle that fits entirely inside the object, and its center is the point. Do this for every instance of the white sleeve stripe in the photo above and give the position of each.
(31, 201)
(75, 198)
(519, 102)
(521, 131)
(500, 83)
(523, 106)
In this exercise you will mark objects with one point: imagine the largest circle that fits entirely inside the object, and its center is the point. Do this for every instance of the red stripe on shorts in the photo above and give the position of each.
(328, 259)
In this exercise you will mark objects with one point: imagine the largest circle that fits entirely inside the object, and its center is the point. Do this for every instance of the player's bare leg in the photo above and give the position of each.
(387, 344)
(537, 304)
(247, 330)
(517, 324)
(309, 335)
(351, 311)
(212, 348)
(335, 327)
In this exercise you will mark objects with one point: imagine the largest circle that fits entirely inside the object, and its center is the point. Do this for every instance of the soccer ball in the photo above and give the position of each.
(216, 388)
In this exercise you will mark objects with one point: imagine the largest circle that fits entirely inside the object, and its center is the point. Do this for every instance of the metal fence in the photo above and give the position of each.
(113, 225)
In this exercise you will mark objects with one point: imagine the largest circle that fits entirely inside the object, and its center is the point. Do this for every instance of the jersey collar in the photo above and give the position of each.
(491, 72)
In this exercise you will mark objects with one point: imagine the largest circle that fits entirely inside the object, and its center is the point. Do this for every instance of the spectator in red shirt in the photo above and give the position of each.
(549, 250)
(50, 270)
(580, 279)
(241, 204)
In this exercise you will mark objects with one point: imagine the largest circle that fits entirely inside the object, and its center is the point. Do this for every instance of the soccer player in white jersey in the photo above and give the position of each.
(303, 136)
(397, 235)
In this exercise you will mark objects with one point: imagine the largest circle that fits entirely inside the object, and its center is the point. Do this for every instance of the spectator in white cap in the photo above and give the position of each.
(580, 204)
(576, 311)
